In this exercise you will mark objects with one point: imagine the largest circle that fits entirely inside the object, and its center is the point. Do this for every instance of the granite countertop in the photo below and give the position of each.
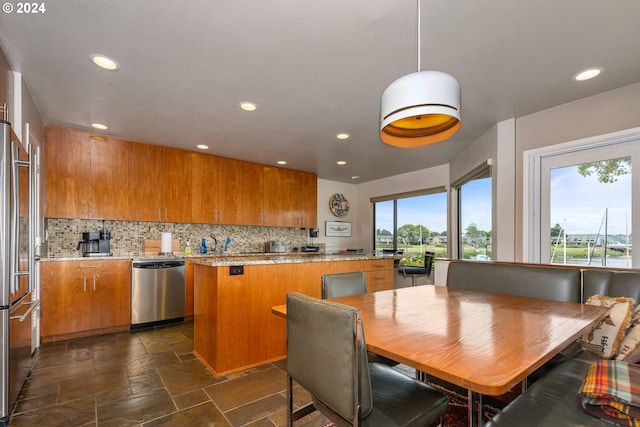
(179, 255)
(215, 260)
(286, 259)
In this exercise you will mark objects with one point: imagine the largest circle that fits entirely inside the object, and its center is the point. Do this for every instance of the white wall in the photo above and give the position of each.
(480, 152)
(601, 114)
(332, 244)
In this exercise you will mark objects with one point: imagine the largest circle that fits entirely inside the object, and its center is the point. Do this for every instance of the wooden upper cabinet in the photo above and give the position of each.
(240, 192)
(290, 198)
(300, 199)
(109, 176)
(68, 176)
(275, 187)
(145, 183)
(100, 177)
(160, 184)
(176, 185)
(204, 188)
(85, 175)
(309, 199)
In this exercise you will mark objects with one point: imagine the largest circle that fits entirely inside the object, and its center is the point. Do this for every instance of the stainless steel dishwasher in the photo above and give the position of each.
(158, 291)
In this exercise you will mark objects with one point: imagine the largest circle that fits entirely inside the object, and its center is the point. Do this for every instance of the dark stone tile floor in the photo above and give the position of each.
(148, 378)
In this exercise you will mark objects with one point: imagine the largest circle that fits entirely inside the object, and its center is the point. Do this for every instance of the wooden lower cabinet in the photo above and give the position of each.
(81, 297)
(379, 274)
(234, 327)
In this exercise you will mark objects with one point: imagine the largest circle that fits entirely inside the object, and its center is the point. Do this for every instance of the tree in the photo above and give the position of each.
(410, 234)
(607, 171)
(556, 231)
(472, 230)
(383, 232)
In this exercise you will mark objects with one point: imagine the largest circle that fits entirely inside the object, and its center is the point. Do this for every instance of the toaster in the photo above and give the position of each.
(274, 246)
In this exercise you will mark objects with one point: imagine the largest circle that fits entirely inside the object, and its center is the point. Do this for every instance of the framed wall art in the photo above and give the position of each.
(337, 229)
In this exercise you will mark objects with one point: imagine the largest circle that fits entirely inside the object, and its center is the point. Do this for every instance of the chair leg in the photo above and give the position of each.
(292, 415)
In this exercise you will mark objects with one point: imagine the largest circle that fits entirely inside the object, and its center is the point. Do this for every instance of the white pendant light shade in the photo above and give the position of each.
(419, 109)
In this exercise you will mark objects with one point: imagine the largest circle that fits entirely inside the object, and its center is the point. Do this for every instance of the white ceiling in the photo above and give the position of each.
(314, 67)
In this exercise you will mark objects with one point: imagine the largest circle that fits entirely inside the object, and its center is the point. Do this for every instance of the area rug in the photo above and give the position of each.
(456, 415)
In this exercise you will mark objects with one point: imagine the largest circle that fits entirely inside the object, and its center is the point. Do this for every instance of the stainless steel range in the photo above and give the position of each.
(158, 291)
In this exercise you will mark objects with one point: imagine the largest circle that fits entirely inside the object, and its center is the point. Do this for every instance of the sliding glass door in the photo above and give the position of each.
(587, 209)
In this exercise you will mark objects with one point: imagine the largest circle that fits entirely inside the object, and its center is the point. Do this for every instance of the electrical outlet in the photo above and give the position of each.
(236, 270)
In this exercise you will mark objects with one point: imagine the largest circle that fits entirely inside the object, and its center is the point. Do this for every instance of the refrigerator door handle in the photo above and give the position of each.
(33, 305)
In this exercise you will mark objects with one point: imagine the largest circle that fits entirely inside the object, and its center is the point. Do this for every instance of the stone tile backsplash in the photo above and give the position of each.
(127, 237)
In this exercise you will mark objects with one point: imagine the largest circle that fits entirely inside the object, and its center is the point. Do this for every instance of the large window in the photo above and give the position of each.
(412, 222)
(474, 215)
(584, 212)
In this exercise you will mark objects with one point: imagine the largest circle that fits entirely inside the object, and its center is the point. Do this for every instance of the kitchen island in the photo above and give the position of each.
(234, 328)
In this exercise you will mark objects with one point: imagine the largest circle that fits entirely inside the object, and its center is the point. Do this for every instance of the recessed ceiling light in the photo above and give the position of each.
(588, 74)
(341, 162)
(282, 162)
(342, 136)
(248, 106)
(99, 126)
(355, 177)
(105, 62)
(202, 146)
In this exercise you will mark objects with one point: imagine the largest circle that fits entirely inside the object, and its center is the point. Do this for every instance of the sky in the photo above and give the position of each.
(578, 203)
(431, 210)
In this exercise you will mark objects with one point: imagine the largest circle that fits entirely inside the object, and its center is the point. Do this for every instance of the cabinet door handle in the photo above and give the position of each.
(84, 279)
(380, 265)
(380, 278)
(159, 216)
(165, 213)
(94, 283)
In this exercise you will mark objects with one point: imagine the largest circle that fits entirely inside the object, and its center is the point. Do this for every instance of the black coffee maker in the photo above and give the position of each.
(95, 243)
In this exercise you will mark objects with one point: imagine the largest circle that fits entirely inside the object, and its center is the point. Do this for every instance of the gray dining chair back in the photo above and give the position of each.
(343, 284)
(346, 284)
(326, 355)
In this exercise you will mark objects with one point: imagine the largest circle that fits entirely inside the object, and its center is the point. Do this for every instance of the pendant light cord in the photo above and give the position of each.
(419, 23)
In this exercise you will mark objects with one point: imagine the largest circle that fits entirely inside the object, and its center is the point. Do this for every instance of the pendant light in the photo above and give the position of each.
(420, 108)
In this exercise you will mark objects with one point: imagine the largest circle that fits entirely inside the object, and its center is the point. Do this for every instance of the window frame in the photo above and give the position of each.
(532, 187)
(483, 170)
(398, 196)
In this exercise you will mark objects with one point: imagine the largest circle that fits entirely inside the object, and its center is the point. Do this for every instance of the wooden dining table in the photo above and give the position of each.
(485, 343)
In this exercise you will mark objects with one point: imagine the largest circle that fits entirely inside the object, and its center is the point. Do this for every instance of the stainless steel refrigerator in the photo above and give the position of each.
(17, 258)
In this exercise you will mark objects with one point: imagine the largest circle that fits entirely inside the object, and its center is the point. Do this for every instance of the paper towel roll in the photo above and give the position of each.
(165, 243)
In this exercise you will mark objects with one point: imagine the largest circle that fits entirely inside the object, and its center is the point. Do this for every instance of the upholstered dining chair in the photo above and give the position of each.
(345, 284)
(326, 355)
(415, 272)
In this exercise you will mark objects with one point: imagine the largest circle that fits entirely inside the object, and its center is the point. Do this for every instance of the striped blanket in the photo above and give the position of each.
(611, 391)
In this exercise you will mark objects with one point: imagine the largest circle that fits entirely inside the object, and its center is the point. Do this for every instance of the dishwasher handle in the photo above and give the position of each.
(158, 264)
